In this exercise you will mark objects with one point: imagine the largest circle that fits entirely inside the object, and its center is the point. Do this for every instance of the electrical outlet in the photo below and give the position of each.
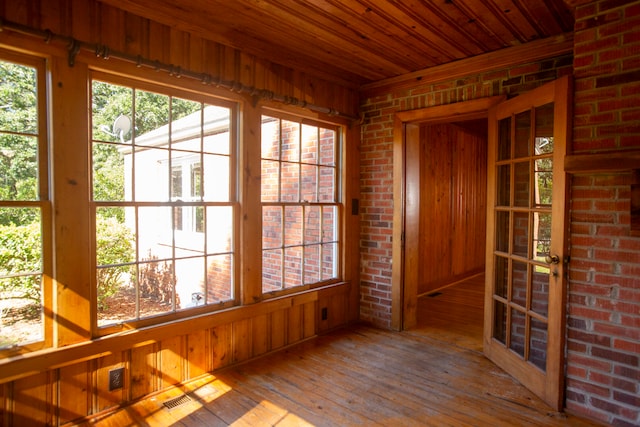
(324, 313)
(116, 379)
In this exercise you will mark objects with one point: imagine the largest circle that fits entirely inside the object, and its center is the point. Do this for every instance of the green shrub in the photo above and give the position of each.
(20, 253)
(114, 247)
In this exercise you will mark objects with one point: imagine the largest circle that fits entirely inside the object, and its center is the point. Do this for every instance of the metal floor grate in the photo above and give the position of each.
(177, 401)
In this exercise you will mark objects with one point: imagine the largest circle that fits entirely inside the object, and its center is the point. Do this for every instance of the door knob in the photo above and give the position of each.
(552, 259)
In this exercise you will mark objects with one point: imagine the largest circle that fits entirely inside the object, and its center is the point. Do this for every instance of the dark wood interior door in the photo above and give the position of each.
(526, 250)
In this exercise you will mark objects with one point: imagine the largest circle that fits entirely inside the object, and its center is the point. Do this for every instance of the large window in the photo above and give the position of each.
(25, 257)
(300, 203)
(161, 216)
(164, 199)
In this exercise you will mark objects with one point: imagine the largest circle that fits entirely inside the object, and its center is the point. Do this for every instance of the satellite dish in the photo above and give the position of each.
(122, 126)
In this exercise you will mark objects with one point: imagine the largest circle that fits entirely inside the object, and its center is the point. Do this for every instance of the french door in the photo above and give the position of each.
(526, 250)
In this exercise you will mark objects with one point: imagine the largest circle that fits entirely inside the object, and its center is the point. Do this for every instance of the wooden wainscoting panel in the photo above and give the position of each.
(171, 361)
(31, 399)
(74, 381)
(294, 327)
(309, 319)
(73, 391)
(259, 335)
(198, 353)
(142, 370)
(334, 302)
(220, 346)
(106, 399)
(241, 340)
(278, 330)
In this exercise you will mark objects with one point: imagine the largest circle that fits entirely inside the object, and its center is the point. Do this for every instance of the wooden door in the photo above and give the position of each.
(526, 250)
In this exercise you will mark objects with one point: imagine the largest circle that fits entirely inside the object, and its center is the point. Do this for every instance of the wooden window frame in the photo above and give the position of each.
(337, 203)
(43, 202)
(233, 203)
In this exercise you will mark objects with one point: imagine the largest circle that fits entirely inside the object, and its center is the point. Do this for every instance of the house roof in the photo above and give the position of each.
(211, 121)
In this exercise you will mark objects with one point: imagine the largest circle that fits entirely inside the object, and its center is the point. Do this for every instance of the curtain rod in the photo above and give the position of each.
(102, 51)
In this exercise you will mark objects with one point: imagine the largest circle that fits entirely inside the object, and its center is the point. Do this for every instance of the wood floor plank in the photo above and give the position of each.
(433, 375)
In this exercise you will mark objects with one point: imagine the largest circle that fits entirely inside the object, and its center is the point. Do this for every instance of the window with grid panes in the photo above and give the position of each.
(25, 219)
(164, 199)
(301, 212)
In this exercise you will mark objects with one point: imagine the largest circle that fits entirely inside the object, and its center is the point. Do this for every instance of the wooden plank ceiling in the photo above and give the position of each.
(355, 42)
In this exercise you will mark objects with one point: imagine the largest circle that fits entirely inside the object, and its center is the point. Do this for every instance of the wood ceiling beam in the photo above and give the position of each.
(504, 58)
(575, 3)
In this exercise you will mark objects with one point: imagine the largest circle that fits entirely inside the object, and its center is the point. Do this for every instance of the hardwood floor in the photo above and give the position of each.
(454, 314)
(434, 375)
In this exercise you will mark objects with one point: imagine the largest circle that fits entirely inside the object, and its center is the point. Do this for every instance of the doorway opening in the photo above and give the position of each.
(439, 161)
(452, 231)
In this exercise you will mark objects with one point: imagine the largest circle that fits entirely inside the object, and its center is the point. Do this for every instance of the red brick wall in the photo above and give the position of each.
(376, 196)
(603, 359)
(603, 354)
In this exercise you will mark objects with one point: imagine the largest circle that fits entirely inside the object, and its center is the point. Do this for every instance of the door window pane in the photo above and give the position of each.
(504, 139)
(521, 234)
(543, 182)
(544, 129)
(500, 322)
(503, 175)
(519, 282)
(541, 235)
(523, 135)
(522, 183)
(502, 276)
(517, 332)
(540, 290)
(538, 344)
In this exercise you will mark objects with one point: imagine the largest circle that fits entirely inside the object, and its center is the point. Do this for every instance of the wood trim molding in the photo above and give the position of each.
(602, 162)
(620, 161)
(528, 52)
(575, 3)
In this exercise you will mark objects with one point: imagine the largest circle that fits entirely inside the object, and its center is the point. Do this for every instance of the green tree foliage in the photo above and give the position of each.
(20, 228)
(20, 253)
(148, 111)
(114, 248)
(18, 140)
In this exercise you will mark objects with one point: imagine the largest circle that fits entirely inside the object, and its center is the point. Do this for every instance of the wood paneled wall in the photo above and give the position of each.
(452, 202)
(78, 388)
(57, 385)
(91, 21)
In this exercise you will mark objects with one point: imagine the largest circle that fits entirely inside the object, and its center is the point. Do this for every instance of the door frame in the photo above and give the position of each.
(406, 190)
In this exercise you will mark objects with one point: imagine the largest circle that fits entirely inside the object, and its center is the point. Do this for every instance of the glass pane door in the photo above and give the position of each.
(526, 220)
(523, 232)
